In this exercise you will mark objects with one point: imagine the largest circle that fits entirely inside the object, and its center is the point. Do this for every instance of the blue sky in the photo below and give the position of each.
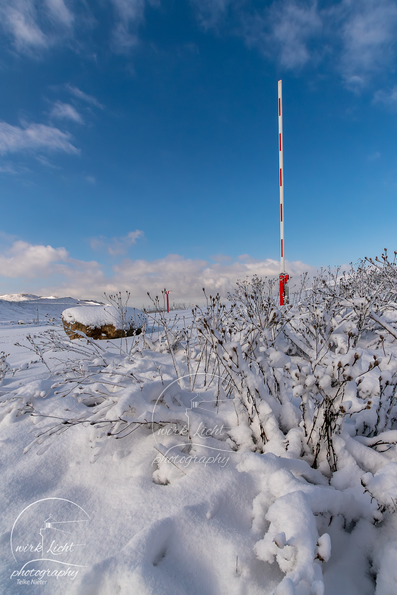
(138, 141)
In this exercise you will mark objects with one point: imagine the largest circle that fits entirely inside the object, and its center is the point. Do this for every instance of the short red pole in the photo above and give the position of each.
(168, 301)
(283, 280)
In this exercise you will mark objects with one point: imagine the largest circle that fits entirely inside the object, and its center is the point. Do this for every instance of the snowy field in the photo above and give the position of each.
(239, 450)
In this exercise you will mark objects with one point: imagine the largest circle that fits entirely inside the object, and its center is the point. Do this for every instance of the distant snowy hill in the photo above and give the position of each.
(27, 308)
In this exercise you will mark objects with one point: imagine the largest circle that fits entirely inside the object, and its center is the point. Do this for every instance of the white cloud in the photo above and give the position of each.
(8, 168)
(117, 246)
(30, 263)
(221, 258)
(83, 96)
(129, 14)
(293, 27)
(46, 162)
(357, 35)
(388, 98)
(210, 12)
(19, 20)
(35, 24)
(129, 10)
(34, 137)
(121, 245)
(65, 111)
(60, 12)
(284, 31)
(360, 35)
(187, 277)
(368, 33)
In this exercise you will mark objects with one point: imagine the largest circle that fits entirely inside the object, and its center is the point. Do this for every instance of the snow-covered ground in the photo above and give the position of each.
(185, 496)
(28, 308)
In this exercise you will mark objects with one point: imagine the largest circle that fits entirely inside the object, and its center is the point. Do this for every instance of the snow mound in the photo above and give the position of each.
(98, 316)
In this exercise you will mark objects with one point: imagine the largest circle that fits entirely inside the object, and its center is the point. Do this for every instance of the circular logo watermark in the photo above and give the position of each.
(191, 424)
(49, 541)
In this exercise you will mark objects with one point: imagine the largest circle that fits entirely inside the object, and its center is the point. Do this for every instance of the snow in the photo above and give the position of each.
(19, 297)
(97, 316)
(27, 308)
(198, 485)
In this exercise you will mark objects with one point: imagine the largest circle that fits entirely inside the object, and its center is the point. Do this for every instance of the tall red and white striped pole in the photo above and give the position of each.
(283, 278)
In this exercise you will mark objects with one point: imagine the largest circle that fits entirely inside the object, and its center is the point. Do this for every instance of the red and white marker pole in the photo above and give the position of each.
(283, 278)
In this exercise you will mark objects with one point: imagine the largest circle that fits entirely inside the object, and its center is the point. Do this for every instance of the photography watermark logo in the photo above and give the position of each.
(48, 541)
(200, 421)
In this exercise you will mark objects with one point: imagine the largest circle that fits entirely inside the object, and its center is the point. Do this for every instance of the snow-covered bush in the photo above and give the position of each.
(313, 392)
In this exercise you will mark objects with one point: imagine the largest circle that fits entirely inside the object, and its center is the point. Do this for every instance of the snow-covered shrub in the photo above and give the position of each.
(313, 392)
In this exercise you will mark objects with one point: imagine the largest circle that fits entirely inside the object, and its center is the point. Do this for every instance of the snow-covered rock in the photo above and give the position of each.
(102, 322)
